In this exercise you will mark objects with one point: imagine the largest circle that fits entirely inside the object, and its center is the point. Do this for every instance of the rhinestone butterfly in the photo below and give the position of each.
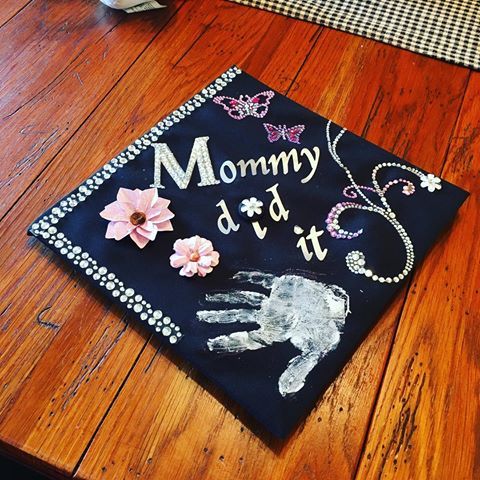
(292, 134)
(244, 106)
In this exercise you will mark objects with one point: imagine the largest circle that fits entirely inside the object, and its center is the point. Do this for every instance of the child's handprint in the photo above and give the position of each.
(308, 313)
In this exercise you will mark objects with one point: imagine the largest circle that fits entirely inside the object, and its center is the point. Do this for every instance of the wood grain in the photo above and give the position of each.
(427, 421)
(83, 392)
(10, 9)
(59, 59)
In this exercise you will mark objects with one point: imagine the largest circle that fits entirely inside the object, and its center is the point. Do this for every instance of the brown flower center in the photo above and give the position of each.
(138, 218)
(195, 257)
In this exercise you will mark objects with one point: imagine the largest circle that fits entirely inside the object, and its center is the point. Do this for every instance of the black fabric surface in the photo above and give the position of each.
(251, 377)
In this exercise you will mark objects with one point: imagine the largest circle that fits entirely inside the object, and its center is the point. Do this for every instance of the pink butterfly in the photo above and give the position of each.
(244, 106)
(292, 134)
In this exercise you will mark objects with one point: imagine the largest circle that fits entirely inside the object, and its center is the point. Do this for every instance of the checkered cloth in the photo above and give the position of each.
(444, 29)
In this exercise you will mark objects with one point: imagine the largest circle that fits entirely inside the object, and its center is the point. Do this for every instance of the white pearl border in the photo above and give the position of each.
(45, 226)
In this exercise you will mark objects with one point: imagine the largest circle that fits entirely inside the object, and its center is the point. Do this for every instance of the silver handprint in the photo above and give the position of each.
(308, 313)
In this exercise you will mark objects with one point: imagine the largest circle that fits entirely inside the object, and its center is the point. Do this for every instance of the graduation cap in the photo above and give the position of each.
(258, 240)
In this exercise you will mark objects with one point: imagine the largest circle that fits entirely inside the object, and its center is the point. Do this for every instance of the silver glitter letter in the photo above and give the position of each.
(200, 156)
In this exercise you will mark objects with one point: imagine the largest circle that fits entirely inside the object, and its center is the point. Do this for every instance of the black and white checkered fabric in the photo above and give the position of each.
(444, 29)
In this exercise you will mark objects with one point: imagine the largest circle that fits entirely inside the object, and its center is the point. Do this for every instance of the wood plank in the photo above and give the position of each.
(427, 421)
(58, 60)
(10, 9)
(41, 40)
(47, 352)
(186, 431)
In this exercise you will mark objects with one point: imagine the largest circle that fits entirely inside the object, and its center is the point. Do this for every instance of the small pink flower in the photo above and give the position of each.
(195, 255)
(138, 213)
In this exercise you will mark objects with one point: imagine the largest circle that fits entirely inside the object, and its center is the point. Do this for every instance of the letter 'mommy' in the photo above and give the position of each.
(276, 203)
(313, 160)
(199, 156)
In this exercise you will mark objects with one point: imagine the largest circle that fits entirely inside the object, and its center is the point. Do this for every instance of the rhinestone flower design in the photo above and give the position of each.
(251, 206)
(138, 213)
(408, 189)
(195, 256)
(375, 201)
(430, 182)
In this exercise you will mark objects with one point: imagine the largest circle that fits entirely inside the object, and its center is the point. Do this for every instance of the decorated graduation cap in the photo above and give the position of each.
(257, 239)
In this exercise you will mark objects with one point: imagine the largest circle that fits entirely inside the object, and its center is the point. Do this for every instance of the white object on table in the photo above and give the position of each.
(132, 6)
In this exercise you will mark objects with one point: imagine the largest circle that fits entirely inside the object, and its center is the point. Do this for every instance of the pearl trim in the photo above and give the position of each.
(45, 227)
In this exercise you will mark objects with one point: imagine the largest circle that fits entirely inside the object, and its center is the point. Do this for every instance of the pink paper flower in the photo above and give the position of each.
(138, 213)
(195, 255)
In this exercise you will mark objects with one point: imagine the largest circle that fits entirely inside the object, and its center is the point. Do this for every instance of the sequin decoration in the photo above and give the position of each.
(275, 133)
(245, 106)
(199, 156)
(355, 260)
(106, 279)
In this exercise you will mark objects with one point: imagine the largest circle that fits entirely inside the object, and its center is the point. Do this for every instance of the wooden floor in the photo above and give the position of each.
(86, 394)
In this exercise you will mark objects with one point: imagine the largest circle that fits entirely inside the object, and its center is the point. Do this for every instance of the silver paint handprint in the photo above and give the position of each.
(308, 313)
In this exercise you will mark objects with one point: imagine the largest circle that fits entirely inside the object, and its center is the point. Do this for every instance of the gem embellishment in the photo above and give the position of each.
(195, 256)
(292, 134)
(251, 208)
(355, 260)
(106, 279)
(200, 156)
(349, 192)
(138, 213)
(245, 106)
(430, 182)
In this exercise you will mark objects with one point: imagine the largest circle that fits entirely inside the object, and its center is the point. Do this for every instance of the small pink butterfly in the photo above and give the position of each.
(292, 134)
(244, 106)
